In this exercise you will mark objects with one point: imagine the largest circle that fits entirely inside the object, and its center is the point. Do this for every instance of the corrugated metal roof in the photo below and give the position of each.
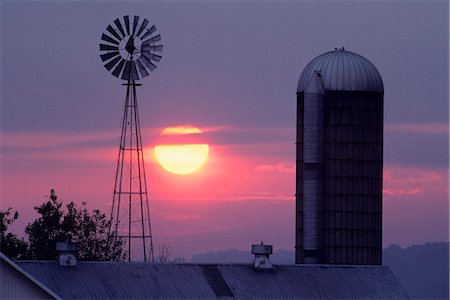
(313, 282)
(112, 280)
(343, 70)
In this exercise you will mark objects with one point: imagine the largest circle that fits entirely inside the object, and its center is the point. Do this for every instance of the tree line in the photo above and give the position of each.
(55, 223)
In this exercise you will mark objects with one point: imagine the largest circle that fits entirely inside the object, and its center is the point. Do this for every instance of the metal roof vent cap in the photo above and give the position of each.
(67, 253)
(261, 260)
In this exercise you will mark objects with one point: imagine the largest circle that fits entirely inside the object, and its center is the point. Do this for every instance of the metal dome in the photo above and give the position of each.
(343, 70)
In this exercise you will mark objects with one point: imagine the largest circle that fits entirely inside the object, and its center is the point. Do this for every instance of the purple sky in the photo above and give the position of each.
(231, 69)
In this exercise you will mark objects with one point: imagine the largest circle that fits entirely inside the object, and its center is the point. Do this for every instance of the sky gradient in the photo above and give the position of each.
(231, 69)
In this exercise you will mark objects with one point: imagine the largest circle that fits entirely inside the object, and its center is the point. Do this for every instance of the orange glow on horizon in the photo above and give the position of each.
(182, 129)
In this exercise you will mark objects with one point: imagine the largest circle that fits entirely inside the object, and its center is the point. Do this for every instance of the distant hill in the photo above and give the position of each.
(282, 257)
(423, 270)
(221, 257)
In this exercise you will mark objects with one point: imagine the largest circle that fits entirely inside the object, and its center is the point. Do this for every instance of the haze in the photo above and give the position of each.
(230, 69)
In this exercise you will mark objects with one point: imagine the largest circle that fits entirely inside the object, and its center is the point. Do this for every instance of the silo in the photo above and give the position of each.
(339, 160)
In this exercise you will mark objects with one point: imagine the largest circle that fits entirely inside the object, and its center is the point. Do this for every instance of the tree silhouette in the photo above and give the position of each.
(10, 244)
(165, 255)
(89, 230)
(46, 230)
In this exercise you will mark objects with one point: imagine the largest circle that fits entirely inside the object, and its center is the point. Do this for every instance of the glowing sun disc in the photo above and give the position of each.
(182, 159)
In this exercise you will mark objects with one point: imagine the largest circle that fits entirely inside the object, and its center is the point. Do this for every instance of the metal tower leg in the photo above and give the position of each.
(130, 212)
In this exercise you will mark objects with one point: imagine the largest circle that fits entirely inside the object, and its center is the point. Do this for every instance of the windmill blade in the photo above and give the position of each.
(104, 47)
(119, 26)
(152, 48)
(112, 63)
(113, 32)
(119, 68)
(143, 25)
(155, 57)
(134, 74)
(109, 55)
(107, 38)
(156, 38)
(148, 32)
(148, 63)
(127, 24)
(135, 22)
(152, 56)
(136, 64)
(126, 70)
(141, 68)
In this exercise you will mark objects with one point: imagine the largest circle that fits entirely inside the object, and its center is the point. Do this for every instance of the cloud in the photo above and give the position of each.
(264, 136)
(397, 192)
(278, 168)
(91, 154)
(257, 130)
(404, 181)
(53, 139)
(422, 128)
(180, 129)
(62, 146)
(266, 196)
(410, 175)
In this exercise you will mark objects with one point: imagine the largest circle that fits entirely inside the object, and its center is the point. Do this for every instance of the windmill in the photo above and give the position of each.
(129, 52)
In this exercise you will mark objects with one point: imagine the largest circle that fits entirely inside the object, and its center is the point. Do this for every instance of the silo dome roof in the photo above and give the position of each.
(342, 70)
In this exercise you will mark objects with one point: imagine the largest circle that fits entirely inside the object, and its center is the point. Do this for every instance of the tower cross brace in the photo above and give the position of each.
(130, 211)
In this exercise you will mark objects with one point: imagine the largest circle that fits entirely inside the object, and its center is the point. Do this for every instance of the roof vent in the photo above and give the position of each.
(262, 253)
(67, 253)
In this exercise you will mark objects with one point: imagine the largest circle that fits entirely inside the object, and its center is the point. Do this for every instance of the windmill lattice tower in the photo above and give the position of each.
(128, 51)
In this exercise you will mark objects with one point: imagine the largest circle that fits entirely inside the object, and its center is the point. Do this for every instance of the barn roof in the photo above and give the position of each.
(102, 280)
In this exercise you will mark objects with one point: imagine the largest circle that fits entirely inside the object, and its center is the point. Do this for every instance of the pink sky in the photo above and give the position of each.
(243, 194)
(230, 68)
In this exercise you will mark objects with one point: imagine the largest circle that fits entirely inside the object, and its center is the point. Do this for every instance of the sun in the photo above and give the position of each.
(177, 155)
(182, 159)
